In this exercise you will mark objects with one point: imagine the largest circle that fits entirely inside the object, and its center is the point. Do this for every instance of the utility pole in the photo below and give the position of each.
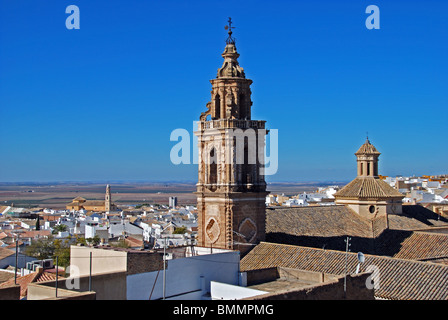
(90, 272)
(164, 268)
(17, 260)
(57, 273)
(164, 258)
(347, 241)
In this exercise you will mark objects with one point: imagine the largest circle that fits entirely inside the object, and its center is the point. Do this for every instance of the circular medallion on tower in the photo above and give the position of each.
(212, 230)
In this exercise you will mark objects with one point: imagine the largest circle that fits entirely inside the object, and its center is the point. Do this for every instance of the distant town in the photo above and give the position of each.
(154, 227)
(428, 191)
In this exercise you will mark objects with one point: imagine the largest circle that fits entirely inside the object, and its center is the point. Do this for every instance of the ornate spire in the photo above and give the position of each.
(230, 67)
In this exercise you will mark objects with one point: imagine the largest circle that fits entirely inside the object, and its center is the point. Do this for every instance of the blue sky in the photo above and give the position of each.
(99, 103)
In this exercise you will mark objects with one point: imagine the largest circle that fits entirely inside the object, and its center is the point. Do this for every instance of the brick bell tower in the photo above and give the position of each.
(107, 200)
(231, 189)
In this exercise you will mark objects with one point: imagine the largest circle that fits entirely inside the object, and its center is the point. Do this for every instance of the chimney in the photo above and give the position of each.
(39, 270)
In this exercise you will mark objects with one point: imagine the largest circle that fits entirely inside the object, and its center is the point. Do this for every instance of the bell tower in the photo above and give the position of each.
(367, 159)
(231, 188)
(368, 195)
(108, 200)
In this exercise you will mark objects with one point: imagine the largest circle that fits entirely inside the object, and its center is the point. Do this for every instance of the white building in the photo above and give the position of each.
(124, 227)
(182, 278)
(172, 202)
(187, 278)
(295, 202)
(91, 230)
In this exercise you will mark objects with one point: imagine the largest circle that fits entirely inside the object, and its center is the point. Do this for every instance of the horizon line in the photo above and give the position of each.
(155, 181)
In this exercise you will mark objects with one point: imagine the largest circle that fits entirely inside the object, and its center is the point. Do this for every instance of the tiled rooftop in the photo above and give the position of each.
(427, 245)
(5, 276)
(328, 226)
(367, 148)
(317, 221)
(4, 253)
(368, 188)
(23, 281)
(399, 279)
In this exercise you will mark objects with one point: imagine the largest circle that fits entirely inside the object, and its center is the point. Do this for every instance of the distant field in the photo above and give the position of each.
(58, 195)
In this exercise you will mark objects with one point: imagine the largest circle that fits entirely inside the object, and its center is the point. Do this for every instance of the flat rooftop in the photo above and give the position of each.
(283, 284)
(284, 279)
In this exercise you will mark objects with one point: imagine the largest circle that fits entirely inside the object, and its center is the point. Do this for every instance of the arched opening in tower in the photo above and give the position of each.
(217, 110)
(213, 168)
(243, 109)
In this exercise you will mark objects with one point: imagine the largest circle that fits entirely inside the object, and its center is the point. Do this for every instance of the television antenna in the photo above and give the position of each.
(347, 242)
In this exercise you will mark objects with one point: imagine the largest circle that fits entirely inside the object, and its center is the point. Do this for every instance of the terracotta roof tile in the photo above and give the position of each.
(328, 226)
(398, 278)
(424, 246)
(368, 188)
(5, 276)
(4, 253)
(317, 220)
(133, 242)
(23, 281)
(35, 233)
(12, 246)
(367, 148)
(320, 226)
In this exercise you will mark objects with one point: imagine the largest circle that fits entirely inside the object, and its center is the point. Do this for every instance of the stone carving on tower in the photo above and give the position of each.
(231, 188)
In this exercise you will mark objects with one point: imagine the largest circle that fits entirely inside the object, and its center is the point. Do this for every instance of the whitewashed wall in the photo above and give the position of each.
(183, 275)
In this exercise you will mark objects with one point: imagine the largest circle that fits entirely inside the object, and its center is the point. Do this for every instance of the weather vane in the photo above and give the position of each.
(229, 27)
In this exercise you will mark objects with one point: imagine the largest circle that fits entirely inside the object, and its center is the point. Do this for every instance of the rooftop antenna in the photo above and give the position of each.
(347, 241)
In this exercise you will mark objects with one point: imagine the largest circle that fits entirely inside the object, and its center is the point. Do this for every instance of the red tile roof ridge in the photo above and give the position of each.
(351, 253)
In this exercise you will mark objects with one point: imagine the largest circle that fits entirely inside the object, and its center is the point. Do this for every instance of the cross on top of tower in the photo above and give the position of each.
(229, 27)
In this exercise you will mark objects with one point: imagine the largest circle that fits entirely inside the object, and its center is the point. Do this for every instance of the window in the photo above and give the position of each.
(213, 168)
(217, 110)
(243, 109)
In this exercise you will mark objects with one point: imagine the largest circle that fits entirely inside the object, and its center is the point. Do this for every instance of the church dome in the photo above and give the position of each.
(367, 148)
